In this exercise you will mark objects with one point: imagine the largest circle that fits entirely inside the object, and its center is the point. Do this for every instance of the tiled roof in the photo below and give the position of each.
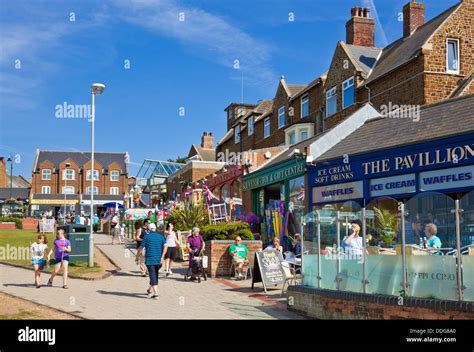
(205, 153)
(19, 182)
(295, 88)
(81, 158)
(17, 193)
(405, 49)
(364, 57)
(226, 137)
(448, 118)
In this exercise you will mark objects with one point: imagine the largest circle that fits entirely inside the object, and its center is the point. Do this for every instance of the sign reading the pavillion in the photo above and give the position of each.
(268, 269)
(273, 175)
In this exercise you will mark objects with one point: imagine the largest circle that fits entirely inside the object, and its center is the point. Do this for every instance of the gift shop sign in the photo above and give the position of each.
(274, 175)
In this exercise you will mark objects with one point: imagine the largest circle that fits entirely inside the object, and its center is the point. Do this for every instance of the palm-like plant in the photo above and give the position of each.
(187, 217)
(385, 224)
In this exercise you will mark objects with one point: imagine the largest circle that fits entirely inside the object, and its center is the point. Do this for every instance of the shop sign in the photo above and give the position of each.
(402, 184)
(338, 192)
(54, 201)
(224, 177)
(284, 172)
(448, 178)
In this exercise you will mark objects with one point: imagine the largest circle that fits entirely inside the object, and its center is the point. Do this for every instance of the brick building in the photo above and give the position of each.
(63, 177)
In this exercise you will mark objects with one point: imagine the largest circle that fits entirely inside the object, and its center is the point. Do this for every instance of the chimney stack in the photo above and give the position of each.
(413, 17)
(360, 29)
(207, 141)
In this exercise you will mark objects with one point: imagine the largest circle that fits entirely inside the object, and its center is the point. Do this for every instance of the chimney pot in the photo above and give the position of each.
(413, 17)
(360, 29)
(207, 140)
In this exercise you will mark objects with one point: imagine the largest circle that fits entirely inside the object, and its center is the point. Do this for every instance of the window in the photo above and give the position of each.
(292, 138)
(68, 190)
(69, 174)
(114, 191)
(46, 174)
(348, 93)
(88, 190)
(281, 117)
(46, 189)
(237, 134)
(266, 128)
(303, 135)
(114, 175)
(231, 114)
(251, 125)
(304, 106)
(96, 175)
(452, 55)
(331, 101)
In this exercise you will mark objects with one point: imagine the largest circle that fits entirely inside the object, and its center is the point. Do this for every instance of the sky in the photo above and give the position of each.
(170, 67)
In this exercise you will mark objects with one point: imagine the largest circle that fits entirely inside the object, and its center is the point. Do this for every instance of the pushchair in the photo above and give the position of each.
(197, 270)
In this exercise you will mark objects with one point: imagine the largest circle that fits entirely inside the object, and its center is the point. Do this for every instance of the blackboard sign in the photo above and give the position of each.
(267, 268)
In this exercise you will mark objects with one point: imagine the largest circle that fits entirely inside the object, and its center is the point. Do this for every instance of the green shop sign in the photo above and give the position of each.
(278, 173)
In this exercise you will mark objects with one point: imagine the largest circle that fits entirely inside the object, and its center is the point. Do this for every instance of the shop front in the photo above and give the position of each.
(226, 185)
(414, 205)
(278, 198)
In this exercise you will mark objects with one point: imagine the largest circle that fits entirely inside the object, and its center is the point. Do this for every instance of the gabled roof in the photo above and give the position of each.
(404, 50)
(226, 137)
(18, 182)
(80, 158)
(204, 154)
(17, 193)
(364, 58)
(320, 80)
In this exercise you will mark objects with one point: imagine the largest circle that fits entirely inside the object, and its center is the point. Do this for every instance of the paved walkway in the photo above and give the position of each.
(122, 296)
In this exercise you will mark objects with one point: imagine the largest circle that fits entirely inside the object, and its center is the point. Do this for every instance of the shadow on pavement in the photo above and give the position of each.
(124, 294)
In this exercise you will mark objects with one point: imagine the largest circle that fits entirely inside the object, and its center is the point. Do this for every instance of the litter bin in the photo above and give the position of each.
(78, 235)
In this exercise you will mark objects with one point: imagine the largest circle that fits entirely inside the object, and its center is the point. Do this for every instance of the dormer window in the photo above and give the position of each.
(237, 134)
(231, 114)
(251, 125)
(304, 106)
(452, 56)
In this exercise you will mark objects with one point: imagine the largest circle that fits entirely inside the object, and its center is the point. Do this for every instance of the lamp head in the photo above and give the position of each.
(98, 88)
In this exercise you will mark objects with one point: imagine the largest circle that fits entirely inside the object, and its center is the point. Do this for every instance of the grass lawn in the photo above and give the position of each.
(23, 239)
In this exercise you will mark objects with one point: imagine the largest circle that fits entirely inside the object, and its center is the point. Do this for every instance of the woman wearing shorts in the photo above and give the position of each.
(61, 249)
(38, 250)
(170, 256)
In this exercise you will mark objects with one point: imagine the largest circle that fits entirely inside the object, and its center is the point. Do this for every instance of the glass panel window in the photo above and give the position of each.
(251, 125)
(114, 191)
(231, 114)
(68, 190)
(45, 189)
(96, 175)
(237, 134)
(114, 175)
(303, 135)
(453, 56)
(292, 138)
(267, 128)
(348, 93)
(88, 190)
(304, 106)
(281, 117)
(331, 101)
(46, 174)
(68, 174)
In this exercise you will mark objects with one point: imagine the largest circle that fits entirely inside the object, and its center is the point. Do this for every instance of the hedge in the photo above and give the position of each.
(18, 221)
(227, 231)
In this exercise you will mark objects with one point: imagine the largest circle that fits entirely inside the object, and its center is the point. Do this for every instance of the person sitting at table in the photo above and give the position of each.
(297, 247)
(433, 241)
(275, 245)
(352, 244)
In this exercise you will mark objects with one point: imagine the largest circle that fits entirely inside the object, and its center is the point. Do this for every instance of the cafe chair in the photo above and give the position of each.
(291, 275)
(247, 271)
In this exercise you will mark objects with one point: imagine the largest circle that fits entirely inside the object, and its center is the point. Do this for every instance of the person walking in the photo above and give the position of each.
(140, 233)
(171, 241)
(61, 248)
(38, 250)
(155, 248)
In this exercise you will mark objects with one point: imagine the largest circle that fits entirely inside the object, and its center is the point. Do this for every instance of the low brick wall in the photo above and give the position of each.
(30, 223)
(328, 304)
(220, 259)
(7, 226)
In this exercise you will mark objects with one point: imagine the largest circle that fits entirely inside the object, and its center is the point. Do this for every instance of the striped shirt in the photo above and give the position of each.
(153, 244)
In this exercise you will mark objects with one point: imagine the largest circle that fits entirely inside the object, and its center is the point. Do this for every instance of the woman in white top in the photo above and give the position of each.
(275, 245)
(352, 244)
(38, 249)
(170, 255)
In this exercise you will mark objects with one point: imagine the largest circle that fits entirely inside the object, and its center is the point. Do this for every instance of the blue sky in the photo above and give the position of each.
(46, 59)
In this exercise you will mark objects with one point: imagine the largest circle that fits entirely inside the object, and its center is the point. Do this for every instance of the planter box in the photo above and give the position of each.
(7, 226)
(220, 259)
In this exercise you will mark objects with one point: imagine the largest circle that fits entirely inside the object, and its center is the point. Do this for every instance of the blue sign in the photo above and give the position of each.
(448, 178)
(387, 186)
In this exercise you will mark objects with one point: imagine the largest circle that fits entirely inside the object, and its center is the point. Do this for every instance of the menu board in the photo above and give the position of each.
(267, 268)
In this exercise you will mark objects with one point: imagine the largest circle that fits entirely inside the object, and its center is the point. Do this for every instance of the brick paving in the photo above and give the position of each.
(123, 296)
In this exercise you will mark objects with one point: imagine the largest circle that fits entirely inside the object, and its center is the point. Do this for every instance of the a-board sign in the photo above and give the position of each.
(267, 268)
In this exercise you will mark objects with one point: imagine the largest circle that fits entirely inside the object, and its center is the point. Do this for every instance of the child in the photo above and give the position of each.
(38, 249)
(122, 234)
(61, 249)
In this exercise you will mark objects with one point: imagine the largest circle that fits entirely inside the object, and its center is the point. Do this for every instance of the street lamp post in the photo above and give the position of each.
(65, 194)
(10, 160)
(97, 89)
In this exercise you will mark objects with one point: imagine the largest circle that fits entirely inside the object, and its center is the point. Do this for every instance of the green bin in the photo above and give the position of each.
(78, 235)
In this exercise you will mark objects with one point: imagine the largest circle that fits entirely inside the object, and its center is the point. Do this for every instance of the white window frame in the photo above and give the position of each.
(251, 125)
(43, 175)
(114, 172)
(293, 133)
(88, 175)
(281, 113)
(458, 53)
(329, 94)
(265, 128)
(88, 190)
(301, 134)
(45, 189)
(345, 86)
(237, 134)
(301, 106)
(72, 173)
(70, 187)
(114, 193)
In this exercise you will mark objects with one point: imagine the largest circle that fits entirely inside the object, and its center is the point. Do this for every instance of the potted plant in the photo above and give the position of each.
(385, 225)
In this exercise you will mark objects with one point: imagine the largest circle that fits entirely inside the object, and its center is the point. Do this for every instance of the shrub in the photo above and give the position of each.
(185, 219)
(18, 222)
(226, 231)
